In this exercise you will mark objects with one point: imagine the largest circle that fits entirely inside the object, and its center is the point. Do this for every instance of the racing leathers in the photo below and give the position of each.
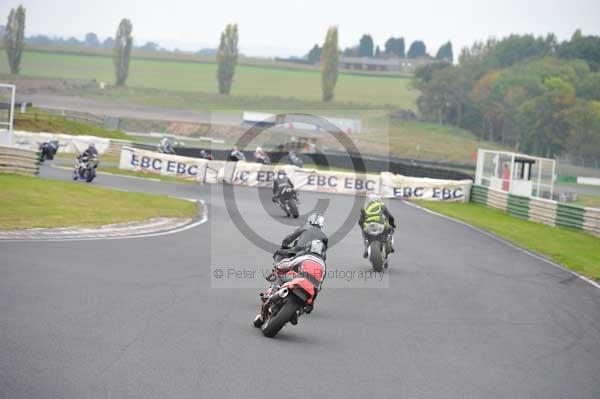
(377, 212)
(281, 182)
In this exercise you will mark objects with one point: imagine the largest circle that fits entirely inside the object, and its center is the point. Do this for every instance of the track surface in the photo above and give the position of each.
(465, 316)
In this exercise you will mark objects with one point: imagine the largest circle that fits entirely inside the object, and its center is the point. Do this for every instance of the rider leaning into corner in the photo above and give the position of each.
(375, 211)
(91, 151)
(303, 239)
(280, 182)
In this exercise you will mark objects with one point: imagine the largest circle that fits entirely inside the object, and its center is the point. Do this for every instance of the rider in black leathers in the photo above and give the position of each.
(90, 151)
(280, 182)
(303, 236)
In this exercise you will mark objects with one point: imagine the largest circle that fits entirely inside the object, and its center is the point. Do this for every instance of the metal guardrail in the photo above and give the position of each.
(19, 161)
(540, 210)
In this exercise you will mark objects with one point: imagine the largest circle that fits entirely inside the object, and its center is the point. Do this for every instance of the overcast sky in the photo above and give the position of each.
(291, 27)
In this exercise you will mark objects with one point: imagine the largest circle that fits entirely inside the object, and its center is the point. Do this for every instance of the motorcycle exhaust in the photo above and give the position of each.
(283, 292)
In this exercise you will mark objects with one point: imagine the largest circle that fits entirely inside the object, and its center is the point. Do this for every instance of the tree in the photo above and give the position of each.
(350, 52)
(377, 52)
(122, 51)
(417, 49)
(227, 57)
(150, 46)
(314, 55)
(445, 53)
(544, 119)
(424, 74)
(395, 47)
(584, 47)
(109, 42)
(365, 46)
(583, 139)
(589, 87)
(14, 38)
(329, 64)
(91, 40)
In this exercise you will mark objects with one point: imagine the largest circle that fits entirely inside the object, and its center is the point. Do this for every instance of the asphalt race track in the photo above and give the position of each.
(465, 316)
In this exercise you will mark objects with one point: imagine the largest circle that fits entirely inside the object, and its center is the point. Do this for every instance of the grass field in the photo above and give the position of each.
(427, 141)
(574, 249)
(27, 202)
(249, 81)
(38, 121)
(588, 200)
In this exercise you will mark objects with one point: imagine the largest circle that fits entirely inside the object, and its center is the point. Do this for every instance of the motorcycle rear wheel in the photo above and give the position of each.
(376, 256)
(273, 324)
(293, 205)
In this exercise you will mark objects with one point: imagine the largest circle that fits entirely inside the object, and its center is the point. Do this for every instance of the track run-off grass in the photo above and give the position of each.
(29, 202)
(38, 121)
(573, 249)
(249, 81)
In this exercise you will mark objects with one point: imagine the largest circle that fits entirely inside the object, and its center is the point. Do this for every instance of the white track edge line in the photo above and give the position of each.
(147, 235)
(506, 242)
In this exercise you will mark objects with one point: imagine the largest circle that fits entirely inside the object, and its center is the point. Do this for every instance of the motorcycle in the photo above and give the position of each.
(295, 160)
(48, 150)
(165, 147)
(262, 158)
(378, 243)
(291, 293)
(85, 168)
(288, 201)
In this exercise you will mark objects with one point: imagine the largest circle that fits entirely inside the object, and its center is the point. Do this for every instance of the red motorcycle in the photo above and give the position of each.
(295, 285)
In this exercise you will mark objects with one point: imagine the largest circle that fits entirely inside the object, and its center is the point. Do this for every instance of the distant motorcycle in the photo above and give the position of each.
(48, 150)
(295, 159)
(85, 168)
(292, 293)
(379, 242)
(288, 201)
(165, 146)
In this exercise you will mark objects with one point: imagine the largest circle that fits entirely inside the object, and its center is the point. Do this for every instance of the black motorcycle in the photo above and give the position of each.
(288, 201)
(85, 168)
(48, 150)
(378, 246)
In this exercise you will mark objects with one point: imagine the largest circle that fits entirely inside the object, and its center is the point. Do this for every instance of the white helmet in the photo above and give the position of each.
(373, 197)
(258, 149)
(316, 219)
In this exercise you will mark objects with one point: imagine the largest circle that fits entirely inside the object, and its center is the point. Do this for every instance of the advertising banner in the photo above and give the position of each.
(163, 164)
(404, 187)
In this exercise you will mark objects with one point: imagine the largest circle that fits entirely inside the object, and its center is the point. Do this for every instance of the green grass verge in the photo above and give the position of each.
(28, 202)
(250, 81)
(124, 172)
(38, 121)
(574, 249)
(592, 201)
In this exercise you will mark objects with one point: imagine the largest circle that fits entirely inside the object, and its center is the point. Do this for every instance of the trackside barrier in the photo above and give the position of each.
(163, 164)
(539, 210)
(68, 143)
(19, 161)
(258, 175)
